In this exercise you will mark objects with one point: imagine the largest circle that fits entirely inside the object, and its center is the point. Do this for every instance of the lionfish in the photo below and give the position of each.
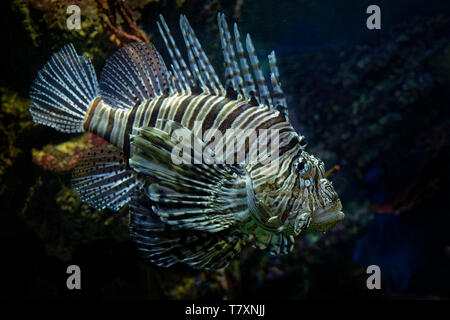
(202, 215)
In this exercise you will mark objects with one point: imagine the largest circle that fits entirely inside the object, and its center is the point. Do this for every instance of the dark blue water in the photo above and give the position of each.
(304, 25)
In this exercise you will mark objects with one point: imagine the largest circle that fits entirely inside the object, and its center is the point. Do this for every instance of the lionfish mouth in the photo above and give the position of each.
(324, 219)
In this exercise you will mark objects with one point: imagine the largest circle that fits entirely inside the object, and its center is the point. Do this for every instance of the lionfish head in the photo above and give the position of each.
(300, 199)
(316, 207)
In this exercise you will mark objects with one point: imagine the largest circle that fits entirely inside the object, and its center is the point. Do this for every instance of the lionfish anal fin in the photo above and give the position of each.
(101, 178)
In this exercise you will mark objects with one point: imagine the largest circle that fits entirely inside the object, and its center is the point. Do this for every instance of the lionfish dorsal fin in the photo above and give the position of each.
(239, 81)
(264, 94)
(279, 99)
(102, 180)
(232, 73)
(249, 83)
(198, 60)
(132, 74)
(182, 75)
(246, 85)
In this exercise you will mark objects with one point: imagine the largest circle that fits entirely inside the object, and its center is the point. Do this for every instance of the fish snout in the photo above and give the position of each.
(326, 218)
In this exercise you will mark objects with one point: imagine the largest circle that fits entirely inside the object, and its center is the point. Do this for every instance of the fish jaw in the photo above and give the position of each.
(326, 218)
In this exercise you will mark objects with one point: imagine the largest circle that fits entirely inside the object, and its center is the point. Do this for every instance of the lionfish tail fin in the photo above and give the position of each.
(63, 90)
(166, 245)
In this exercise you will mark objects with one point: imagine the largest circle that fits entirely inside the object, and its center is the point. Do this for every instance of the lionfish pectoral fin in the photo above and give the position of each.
(102, 179)
(281, 244)
(133, 74)
(187, 193)
(166, 245)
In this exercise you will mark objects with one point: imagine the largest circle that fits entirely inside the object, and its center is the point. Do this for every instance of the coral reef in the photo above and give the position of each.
(120, 20)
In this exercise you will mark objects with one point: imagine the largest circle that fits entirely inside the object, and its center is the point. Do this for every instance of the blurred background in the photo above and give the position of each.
(373, 104)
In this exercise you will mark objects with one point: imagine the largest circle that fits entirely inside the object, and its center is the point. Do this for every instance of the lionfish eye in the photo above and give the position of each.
(300, 165)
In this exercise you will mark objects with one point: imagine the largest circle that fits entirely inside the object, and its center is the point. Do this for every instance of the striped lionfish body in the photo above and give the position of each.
(201, 211)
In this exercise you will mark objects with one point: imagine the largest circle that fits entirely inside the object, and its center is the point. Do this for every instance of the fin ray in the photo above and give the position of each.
(177, 59)
(171, 186)
(279, 100)
(63, 90)
(232, 72)
(132, 74)
(205, 66)
(102, 180)
(166, 245)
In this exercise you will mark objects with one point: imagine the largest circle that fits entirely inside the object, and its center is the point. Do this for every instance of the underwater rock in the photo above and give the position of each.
(65, 156)
(14, 117)
(63, 222)
(121, 21)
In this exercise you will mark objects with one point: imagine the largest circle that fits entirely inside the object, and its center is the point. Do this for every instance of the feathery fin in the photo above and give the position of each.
(206, 66)
(279, 100)
(232, 72)
(177, 60)
(189, 195)
(63, 90)
(166, 245)
(102, 180)
(132, 74)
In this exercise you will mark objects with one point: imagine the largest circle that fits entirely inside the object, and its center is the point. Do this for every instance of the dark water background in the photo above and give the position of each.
(375, 103)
